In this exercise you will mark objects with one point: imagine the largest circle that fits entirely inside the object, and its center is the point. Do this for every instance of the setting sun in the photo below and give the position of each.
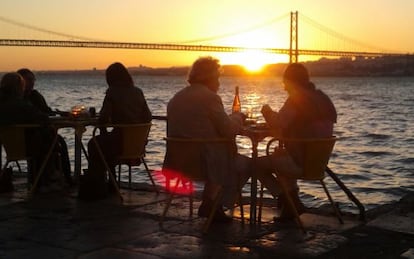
(251, 60)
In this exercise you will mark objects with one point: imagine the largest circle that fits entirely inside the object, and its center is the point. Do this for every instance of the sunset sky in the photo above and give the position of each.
(377, 25)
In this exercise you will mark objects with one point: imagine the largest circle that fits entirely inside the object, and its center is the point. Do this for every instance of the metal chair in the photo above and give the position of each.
(134, 140)
(316, 154)
(184, 161)
(13, 139)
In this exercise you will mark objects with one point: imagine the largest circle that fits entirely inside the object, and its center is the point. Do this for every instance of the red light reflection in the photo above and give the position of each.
(176, 182)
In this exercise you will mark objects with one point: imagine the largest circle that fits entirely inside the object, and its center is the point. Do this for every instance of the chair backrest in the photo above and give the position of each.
(316, 157)
(13, 139)
(134, 140)
(187, 156)
(316, 154)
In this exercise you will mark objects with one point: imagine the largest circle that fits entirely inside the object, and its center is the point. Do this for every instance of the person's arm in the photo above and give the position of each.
(39, 101)
(227, 126)
(279, 120)
(34, 115)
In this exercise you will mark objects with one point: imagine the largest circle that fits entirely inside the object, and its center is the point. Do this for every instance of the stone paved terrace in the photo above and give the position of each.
(58, 225)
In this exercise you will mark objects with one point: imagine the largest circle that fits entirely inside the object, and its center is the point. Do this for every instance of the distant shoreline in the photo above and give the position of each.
(387, 66)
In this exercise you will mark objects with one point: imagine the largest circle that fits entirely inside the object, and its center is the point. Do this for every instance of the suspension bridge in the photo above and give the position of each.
(293, 51)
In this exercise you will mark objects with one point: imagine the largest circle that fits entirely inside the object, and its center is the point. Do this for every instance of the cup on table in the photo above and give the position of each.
(250, 118)
(77, 110)
(250, 121)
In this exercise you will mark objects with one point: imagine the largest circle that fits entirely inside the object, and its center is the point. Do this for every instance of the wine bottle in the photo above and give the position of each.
(236, 102)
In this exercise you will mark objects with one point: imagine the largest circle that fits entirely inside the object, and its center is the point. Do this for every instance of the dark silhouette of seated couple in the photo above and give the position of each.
(197, 111)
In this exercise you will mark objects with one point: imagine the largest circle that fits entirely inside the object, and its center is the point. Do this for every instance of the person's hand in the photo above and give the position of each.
(238, 116)
(243, 116)
(266, 110)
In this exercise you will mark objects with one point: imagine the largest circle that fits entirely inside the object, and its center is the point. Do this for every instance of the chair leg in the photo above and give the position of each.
(207, 224)
(259, 217)
(169, 201)
(4, 168)
(336, 210)
(18, 167)
(129, 176)
(240, 201)
(44, 164)
(166, 208)
(31, 167)
(111, 176)
(149, 175)
(241, 207)
(119, 173)
(191, 198)
(350, 195)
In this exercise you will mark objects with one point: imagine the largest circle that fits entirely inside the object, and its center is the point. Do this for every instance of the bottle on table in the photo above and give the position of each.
(236, 102)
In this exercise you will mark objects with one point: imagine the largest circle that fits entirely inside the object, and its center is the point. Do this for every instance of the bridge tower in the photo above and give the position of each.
(293, 49)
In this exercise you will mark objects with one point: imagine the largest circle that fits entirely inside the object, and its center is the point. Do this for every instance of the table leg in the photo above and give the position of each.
(78, 153)
(253, 187)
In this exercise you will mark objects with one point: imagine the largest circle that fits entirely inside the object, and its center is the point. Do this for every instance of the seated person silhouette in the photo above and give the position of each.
(38, 101)
(15, 110)
(123, 103)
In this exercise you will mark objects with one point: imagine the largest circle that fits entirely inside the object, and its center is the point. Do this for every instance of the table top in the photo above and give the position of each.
(257, 131)
(69, 121)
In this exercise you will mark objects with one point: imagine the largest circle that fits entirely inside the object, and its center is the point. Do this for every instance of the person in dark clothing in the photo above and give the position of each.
(32, 95)
(307, 113)
(15, 110)
(38, 101)
(123, 104)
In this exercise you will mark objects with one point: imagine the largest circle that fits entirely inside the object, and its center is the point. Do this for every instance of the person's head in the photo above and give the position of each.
(206, 71)
(28, 77)
(296, 77)
(118, 76)
(12, 86)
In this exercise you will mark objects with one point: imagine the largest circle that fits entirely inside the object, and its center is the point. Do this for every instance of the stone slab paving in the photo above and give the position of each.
(409, 254)
(117, 253)
(393, 222)
(60, 226)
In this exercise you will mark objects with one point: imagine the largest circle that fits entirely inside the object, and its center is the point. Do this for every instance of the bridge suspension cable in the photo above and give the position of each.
(31, 27)
(340, 36)
(226, 35)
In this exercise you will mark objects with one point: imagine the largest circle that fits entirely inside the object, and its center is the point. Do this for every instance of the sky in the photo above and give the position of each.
(374, 25)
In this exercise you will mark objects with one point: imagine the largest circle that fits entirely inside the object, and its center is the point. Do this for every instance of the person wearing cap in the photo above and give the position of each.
(307, 113)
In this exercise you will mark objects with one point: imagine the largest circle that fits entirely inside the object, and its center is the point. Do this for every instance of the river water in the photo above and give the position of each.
(374, 156)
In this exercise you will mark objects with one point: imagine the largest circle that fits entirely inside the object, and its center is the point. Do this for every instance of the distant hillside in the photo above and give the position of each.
(383, 66)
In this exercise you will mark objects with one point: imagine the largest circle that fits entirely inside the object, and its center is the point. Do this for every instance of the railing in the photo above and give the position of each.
(159, 117)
